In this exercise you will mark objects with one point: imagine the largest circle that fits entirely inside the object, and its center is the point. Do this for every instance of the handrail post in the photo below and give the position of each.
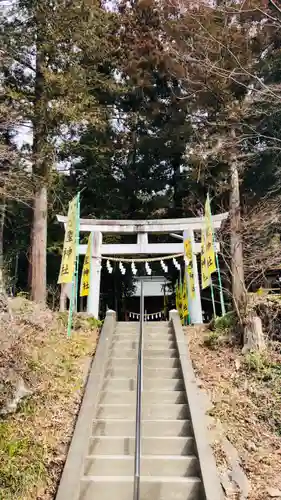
(139, 402)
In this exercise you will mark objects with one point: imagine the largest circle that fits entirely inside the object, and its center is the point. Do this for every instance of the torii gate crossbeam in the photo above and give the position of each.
(142, 228)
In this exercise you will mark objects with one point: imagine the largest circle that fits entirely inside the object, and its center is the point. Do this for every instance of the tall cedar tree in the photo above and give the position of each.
(156, 127)
(216, 49)
(132, 168)
(45, 45)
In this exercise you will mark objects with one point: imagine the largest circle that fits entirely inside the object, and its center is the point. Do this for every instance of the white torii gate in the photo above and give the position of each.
(184, 228)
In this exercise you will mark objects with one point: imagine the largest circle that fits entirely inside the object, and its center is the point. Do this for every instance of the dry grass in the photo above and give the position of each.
(34, 440)
(246, 397)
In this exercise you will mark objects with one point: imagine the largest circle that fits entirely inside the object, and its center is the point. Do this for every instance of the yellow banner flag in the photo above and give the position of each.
(191, 281)
(188, 249)
(177, 296)
(188, 255)
(210, 250)
(67, 267)
(205, 276)
(180, 300)
(85, 278)
(184, 299)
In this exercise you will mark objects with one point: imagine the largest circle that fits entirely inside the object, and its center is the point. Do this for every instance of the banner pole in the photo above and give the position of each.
(188, 289)
(77, 250)
(188, 295)
(70, 312)
(177, 296)
(213, 297)
(218, 264)
(220, 287)
(181, 305)
(90, 268)
(73, 300)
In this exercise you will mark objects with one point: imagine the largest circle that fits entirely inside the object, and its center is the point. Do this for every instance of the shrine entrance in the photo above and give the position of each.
(180, 229)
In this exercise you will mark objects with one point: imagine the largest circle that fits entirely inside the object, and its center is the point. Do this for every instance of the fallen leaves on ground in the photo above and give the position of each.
(35, 439)
(246, 397)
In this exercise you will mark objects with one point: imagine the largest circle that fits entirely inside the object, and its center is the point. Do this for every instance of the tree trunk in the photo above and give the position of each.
(2, 284)
(253, 334)
(38, 246)
(2, 224)
(63, 298)
(4, 306)
(237, 268)
(41, 167)
(176, 181)
(5, 169)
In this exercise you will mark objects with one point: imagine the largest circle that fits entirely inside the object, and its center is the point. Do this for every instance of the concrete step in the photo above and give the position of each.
(162, 353)
(147, 328)
(150, 362)
(154, 329)
(148, 397)
(147, 353)
(126, 331)
(155, 334)
(150, 428)
(157, 324)
(164, 332)
(151, 488)
(149, 384)
(108, 445)
(147, 344)
(125, 339)
(158, 334)
(149, 412)
(127, 324)
(162, 372)
(154, 323)
(125, 342)
(120, 352)
(121, 372)
(161, 362)
(164, 384)
(120, 384)
(146, 331)
(157, 465)
(130, 372)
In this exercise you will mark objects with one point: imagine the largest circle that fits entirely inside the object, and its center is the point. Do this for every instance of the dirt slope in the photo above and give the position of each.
(246, 396)
(42, 374)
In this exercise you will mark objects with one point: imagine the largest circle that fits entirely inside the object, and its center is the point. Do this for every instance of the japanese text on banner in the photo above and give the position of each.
(184, 299)
(180, 300)
(177, 296)
(188, 255)
(69, 247)
(210, 250)
(205, 276)
(85, 278)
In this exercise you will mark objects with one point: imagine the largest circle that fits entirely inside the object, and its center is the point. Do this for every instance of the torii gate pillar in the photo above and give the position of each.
(93, 301)
(194, 305)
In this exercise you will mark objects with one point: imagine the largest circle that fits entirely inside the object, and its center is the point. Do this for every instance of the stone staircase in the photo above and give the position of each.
(169, 463)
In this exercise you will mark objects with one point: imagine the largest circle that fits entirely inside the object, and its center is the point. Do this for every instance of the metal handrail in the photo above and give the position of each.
(139, 402)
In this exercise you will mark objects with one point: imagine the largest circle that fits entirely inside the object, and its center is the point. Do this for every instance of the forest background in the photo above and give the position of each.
(145, 107)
